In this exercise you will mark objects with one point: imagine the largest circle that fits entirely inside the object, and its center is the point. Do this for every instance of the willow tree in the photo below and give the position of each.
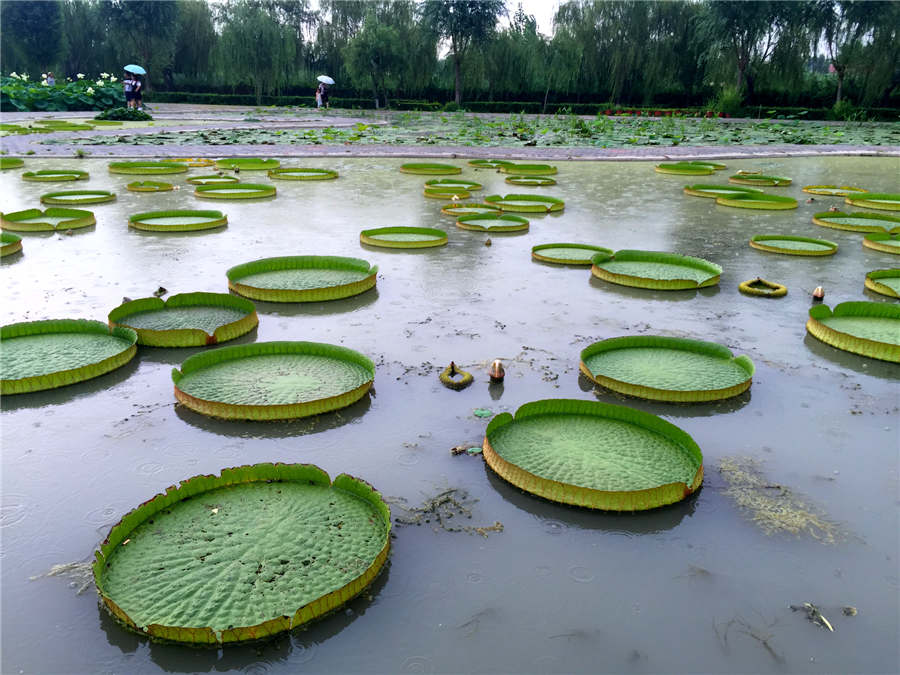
(32, 35)
(144, 30)
(374, 56)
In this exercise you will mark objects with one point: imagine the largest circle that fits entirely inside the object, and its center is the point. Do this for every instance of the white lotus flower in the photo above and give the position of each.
(89, 90)
(80, 76)
(99, 83)
(112, 78)
(14, 74)
(44, 83)
(104, 75)
(43, 76)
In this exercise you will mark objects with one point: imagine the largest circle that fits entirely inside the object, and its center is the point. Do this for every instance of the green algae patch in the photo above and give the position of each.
(885, 201)
(655, 269)
(255, 551)
(147, 168)
(489, 163)
(78, 197)
(303, 278)
(684, 169)
(403, 237)
(882, 241)
(530, 181)
(54, 218)
(186, 319)
(759, 179)
(9, 244)
(469, 208)
(762, 288)
(886, 282)
(273, 380)
(492, 222)
(11, 163)
(149, 186)
(38, 355)
(594, 455)
(760, 201)
(452, 184)
(213, 179)
(868, 328)
(857, 221)
(567, 254)
(529, 169)
(526, 203)
(788, 245)
(183, 220)
(429, 168)
(247, 164)
(235, 191)
(54, 175)
(667, 369)
(712, 191)
(302, 174)
(833, 190)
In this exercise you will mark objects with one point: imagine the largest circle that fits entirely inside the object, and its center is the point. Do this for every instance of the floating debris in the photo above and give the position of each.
(80, 575)
(483, 412)
(849, 610)
(813, 614)
(440, 510)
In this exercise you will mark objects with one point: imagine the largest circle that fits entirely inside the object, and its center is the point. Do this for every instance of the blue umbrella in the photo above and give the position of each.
(137, 70)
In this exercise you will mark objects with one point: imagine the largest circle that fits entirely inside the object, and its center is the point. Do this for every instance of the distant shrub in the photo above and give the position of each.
(124, 114)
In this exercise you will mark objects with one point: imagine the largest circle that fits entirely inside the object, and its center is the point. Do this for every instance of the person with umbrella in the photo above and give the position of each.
(322, 91)
(133, 86)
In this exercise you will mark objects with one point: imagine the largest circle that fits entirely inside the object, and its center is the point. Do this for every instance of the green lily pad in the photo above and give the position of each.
(52, 175)
(452, 184)
(403, 237)
(184, 220)
(788, 245)
(186, 319)
(213, 179)
(529, 169)
(567, 254)
(715, 191)
(9, 244)
(78, 197)
(446, 193)
(429, 168)
(762, 288)
(256, 551)
(303, 174)
(483, 413)
(469, 208)
(488, 163)
(886, 282)
(273, 380)
(492, 222)
(147, 168)
(667, 369)
(150, 186)
(54, 218)
(760, 201)
(885, 201)
(38, 355)
(833, 190)
(759, 179)
(532, 181)
(656, 270)
(526, 203)
(882, 241)
(248, 163)
(11, 163)
(857, 221)
(302, 278)
(235, 191)
(868, 328)
(593, 454)
(684, 169)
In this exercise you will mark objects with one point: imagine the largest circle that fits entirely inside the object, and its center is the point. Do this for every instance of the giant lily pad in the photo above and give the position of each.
(184, 220)
(885, 201)
(429, 168)
(54, 218)
(593, 454)
(529, 169)
(273, 380)
(886, 282)
(715, 191)
(667, 369)
(52, 175)
(760, 201)
(195, 161)
(655, 269)
(186, 319)
(782, 243)
(38, 355)
(235, 191)
(526, 203)
(9, 244)
(469, 208)
(488, 163)
(150, 186)
(882, 241)
(567, 254)
(403, 237)
(684, 168)
(857, 221)
(452, 184)
(11, 163)
(78, 197)
(147, 168)
(531, 181)
(759, 179)
(256, 551)
(491, 222)
(446, 194)
(248, 163)
(833, 190)
(212, 179)
(303, 174)
(302, 278)
(867, 328)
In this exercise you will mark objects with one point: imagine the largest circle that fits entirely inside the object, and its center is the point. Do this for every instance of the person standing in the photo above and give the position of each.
(138, 93)
(324, 95)
(128, 86)
(51, 81)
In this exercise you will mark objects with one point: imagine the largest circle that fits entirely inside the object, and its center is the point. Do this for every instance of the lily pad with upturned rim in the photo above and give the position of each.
(519, 203)
(667, 368)
(760, 201)
(788, 245)
(429, 168)
(267, 547)
(235, 191)
(403, 237)
(181, 220)
(833, 190)
(303, 278)
(567, 254)
(882, 241)
(147, 168)
(296, 173)
(759, 179)
(529, 169)
(594, 455)
(39, 355)
(272, 380)
(213, 179)
(716, 191)
(884, 201)
(656, 270)
(469, 208)
(762, 288)
(490, 222)
(11, 163)
(868, 328)
(489, 163)
(857, 221)
(532, 181)
(150, 186)
(247, 163)
(78, 197)
(54, 218)
(452, 184)
(9, 244)
(446, 194)
(53, 175)
(886, 282)
(195, 162)
(684, 169)
(186, 319)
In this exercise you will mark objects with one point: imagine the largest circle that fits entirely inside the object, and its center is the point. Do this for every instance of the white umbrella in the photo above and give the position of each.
(325, 79)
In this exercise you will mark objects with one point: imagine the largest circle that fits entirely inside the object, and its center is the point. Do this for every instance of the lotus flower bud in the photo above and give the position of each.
(819, 293)
(496, 372)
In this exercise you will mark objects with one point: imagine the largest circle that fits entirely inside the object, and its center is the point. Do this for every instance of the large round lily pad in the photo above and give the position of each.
(593, 454)
(38, 355)
(833, 190)
(667, 369)
(195, 161)
(235, 191)
(150, 186)
(256, 551)
(297, 173)
(567, 254)
(147, 168)
(526, 203)
(715, 191)
(868, 328)
(529, 169)
(885, 201)
(429, 168)
(492, 222)
(248, 163)
(882, 241)
(469, 208)
(78, 197)
(761, 201)
(186, 319)
(302, 278)
(452, 184)
(788, 245)
(684, 168)
(488, 163)
(273, 380)
(9, 244)
(11, 163)
(886, 282)
(213, 179)
(530, 181)
(857, 221)
(54, 218)
(403, 237)
(759, 179)
(655, 269)
(447, 194)
(183, 220)
(52, 175)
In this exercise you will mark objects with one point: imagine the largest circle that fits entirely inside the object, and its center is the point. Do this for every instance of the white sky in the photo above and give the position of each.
(542, 10)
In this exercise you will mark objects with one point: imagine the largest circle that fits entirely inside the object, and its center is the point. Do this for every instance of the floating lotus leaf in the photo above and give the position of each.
(867, 328)
(593, 454)
(716, 166)
(715, 191)
(782, 243)
(833, 190)
(150, 186)
(54, 218)
(147, 168)
(195, 161)
(9, 244)
(11, 163)
(760, 201)
(248, 163)
(526, 203)
(452, 184)
(761, 287)
(884, 242)
(185, 220)
(52, 175)
(431, 168)
(492, 222)
(256, 551)
(303, 174)
(469, 208)
(684, 169)
(886, 282)
(885, 201)
(667, 369)
(529, 169)
(186, 319)
(759, 179)
(533, 181)
(78, 197)
(272, 380)
(488, 163)
(446, 194)
(655, 269)
(857, 221)
(567, 254)
(302, 278)
(38, 355)
(212, 179)
(235, 191)
(403, 237)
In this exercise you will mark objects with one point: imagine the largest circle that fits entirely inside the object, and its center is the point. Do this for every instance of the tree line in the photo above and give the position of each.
(628, 52)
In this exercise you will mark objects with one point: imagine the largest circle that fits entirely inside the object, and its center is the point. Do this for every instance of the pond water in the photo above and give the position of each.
(702, 586)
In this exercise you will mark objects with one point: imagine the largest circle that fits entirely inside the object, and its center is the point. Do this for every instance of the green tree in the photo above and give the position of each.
(374, 57)
(32, 35)
(195, 39)
(145, 32)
